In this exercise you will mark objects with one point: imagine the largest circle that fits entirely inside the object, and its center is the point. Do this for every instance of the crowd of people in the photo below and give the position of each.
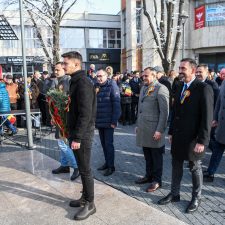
(191, 102)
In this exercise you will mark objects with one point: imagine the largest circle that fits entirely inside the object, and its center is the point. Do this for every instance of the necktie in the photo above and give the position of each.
(184, 89)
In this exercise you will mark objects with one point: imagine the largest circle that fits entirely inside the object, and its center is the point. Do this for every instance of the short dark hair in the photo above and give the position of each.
(59, 63)
(150, 68)
(73, 55)
(205, 66)
(45, 73)
(192, 62)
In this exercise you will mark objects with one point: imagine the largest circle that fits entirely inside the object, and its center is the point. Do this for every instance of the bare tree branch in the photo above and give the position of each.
(163, 21)
(67, 10)
(156, 38)
(40, 37)
(178, 36)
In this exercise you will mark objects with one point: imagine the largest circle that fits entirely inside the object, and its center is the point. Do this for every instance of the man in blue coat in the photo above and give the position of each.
(5, 107)
(108, 113)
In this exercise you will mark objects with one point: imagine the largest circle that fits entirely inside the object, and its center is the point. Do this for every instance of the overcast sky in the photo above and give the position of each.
(92, 6)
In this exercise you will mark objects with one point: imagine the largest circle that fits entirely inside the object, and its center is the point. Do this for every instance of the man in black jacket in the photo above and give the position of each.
(80, 124)
(189, 132)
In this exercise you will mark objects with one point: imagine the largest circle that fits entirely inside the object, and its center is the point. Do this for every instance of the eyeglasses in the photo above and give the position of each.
(145, 76)
(100, 76)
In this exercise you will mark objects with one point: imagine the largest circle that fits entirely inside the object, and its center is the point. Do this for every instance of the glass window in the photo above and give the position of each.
(72, 38)
(96, 37)
(111, 34)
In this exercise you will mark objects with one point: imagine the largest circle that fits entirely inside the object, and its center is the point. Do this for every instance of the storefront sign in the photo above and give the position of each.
(200, 17)
(18, 60)
(215, 14)
(99, 57)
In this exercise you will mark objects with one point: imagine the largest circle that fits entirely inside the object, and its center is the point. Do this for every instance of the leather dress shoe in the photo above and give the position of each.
(61, 169)
(75, 174)
(153, 187)
(169, 198)
(109, 171)
(78, 203)
(207, 177)
(193, 205)
(104, 167)
(86, 211)
(143, 180)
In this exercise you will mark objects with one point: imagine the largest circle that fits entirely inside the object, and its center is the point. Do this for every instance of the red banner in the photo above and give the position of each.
(200, 17)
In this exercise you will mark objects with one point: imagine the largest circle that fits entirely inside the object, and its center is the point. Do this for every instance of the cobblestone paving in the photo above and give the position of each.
(130, 165)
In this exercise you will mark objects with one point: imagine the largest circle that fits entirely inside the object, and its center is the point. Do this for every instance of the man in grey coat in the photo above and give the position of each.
(153, 110)
(218, 146)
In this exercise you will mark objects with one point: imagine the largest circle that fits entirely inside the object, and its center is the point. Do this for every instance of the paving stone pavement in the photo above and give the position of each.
(130, 165)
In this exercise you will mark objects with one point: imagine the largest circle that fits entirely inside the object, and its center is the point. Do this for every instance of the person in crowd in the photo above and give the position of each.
(5, 107)
(91, 69)
(202, 75)
(116, 78)
(33, 92)
(12, 89)
(220, 77)
(135, 84)
(80, 124)
(153, 113)
(189, 132)
(36, 79)
(218, 146)
(109, 71)
(126, 100)
(92, 76)
(67, 158)
(171, 76)
(108, 113)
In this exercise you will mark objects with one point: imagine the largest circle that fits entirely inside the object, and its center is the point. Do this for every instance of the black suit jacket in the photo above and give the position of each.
(82, 109)
(191, 121)
(215, 88)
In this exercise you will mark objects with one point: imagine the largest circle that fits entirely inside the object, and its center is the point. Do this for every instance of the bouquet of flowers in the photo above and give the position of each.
(58, 107)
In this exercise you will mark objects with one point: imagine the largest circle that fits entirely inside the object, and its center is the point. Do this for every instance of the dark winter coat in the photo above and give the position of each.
(4, 99)
(136, 88)
(82, 109)
(191, 121)
(108, 105)
(215, 88)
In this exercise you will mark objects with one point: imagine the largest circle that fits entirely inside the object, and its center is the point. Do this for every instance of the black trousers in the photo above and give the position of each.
(134, 109)
(177, 173)
(83, 157)
(154, 163)
(41, 103)
(126, 112)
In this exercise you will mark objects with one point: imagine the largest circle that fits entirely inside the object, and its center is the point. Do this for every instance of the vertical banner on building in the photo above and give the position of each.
(200, 17)
(1, 72)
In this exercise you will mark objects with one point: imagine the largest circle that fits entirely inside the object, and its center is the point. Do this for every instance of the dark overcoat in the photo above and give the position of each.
(191, 121)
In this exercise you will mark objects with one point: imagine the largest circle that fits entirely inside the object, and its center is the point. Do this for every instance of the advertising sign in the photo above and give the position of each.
(200, 17)
(99, 57)
(215, 14)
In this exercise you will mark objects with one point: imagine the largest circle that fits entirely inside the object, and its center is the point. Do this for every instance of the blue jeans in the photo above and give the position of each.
(217, 153)
(67, 157)
(106, 137)
(7, 124)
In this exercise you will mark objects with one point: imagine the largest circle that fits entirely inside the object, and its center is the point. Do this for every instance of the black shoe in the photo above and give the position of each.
(61, 169)
(78, 203)
(86, 211)
(75, 174)
(169, 198)
(143, 180)
(207, 177)
(13, 133)
(109, 171)
(104, 167)
(193, 205)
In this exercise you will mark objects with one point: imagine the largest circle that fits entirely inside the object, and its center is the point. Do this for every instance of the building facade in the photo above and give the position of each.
(203, 37)
(96, 36)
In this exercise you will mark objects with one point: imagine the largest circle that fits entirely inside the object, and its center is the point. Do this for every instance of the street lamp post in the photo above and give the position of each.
(26, 95)
(184, 19)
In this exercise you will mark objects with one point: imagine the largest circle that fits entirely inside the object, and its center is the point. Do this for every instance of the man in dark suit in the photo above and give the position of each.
(135, 84)
(202, 74)
(189, 132)
(80, 124)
